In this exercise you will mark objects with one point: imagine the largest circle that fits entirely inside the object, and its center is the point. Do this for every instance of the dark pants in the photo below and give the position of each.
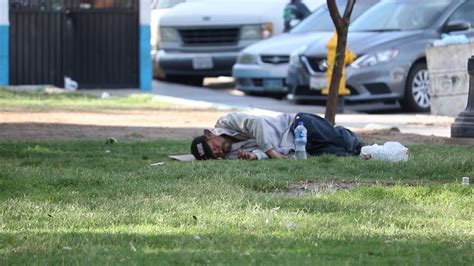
(323, 138)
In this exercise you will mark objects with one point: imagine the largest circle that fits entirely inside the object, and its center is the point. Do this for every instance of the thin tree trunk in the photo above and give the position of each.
(342, 26)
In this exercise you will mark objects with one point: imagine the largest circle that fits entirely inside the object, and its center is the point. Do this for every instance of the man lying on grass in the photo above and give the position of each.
(244, 136)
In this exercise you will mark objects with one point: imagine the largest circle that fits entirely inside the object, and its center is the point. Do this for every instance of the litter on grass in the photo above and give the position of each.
(391, 151)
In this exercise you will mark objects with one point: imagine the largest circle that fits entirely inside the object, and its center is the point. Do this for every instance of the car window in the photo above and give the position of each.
(464, 12)
(320, 20)
(400, 15)
(160, 4)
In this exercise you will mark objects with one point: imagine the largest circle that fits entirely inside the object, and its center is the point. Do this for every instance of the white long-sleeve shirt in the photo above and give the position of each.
(257, 134)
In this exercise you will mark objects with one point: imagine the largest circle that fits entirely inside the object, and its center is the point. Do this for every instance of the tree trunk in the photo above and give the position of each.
(342, 26)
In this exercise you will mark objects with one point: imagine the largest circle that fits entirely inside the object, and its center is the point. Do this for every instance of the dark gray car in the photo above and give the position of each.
(390, 41)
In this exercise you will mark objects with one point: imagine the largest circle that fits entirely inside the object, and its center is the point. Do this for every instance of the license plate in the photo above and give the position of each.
(202, 63)
(272, 84)
(317, 83)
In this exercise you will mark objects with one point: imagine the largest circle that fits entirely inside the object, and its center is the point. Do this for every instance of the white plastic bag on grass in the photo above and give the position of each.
(391, 151)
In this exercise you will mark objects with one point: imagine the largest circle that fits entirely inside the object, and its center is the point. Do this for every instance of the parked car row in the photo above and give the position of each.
(262, 68)
(389, 38)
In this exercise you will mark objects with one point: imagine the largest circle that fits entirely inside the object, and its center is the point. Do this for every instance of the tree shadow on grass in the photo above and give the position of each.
(153, 248)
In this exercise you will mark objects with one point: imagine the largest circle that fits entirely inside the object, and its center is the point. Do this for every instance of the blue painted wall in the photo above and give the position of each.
(145, 67)
(4, 54)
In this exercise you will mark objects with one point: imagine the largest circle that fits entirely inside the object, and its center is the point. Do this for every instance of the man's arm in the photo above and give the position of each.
(274, 155)
(259, 155)
(248, 126)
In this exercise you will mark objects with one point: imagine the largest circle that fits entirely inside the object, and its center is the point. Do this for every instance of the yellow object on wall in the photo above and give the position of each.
(349, 58)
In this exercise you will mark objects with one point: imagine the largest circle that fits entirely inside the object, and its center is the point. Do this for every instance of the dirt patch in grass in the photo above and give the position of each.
(315, 187)
(382, 136)
(150, 125)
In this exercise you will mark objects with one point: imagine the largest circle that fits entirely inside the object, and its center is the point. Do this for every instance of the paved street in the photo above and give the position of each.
(221, 93)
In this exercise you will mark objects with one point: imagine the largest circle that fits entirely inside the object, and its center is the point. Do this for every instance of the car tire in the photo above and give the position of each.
(417, 93)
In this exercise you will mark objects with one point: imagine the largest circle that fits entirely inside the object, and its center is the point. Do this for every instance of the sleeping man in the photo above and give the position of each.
(243, 136)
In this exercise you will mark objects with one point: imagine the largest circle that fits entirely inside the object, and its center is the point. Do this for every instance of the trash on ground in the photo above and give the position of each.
(391, 151)
(157, 164)
(465, 181)
(291, 225)
(132, 247)
(69, 84)
(104, 95)
(183, 157)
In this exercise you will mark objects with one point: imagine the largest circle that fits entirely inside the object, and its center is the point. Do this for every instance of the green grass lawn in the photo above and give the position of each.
(86, 202)
(71, 101)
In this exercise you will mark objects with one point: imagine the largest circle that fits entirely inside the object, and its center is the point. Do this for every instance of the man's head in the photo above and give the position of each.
(210, 146)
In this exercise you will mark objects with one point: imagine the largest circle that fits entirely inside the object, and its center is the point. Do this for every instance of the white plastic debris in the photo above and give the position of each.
(291, 225)
(465, 181)
(157, 164)
(132, 247)
(390, 151)
(69, 84)
(104, 95)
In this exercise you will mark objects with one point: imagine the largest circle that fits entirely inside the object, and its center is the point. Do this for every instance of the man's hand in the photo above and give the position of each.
(272, 154)
(246, 155)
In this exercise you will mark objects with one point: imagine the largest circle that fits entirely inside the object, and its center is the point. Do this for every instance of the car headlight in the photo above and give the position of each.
(168, 34)
(376, 58)
(295, 56)
(247, 59)
(256, 32)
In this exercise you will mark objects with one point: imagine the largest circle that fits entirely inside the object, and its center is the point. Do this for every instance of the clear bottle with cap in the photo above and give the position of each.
(301, 134)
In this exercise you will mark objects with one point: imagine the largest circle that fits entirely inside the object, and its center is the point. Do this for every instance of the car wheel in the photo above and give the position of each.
(417, 93)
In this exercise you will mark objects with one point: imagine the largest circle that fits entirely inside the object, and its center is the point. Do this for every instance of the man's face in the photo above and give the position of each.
(219, 146)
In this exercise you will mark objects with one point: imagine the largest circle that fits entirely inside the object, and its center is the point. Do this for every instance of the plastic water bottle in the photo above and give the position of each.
(300, 133)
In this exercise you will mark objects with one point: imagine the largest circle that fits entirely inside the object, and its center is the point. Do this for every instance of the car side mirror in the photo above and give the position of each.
(457, 25)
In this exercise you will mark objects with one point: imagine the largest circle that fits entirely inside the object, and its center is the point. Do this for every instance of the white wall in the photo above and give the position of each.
(4, 12)
(145, 11)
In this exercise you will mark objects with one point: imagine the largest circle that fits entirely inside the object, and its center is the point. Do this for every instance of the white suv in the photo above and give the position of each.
(202, 39)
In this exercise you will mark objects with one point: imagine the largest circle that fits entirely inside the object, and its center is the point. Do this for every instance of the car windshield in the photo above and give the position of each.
(400, 15)
(320, 20)
(161, 4)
